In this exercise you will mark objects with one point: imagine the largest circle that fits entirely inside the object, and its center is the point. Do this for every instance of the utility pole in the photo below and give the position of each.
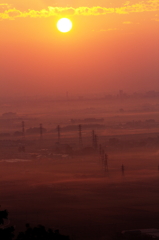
(122, 169)
(93, 138)
(59, 133)
(80, 136)
(95, 141)
(41, 136)
(23, 128)
(100, 149)
(41, 130)
(106, 162)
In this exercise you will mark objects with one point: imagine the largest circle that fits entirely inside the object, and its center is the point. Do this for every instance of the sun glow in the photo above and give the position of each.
(64, 25)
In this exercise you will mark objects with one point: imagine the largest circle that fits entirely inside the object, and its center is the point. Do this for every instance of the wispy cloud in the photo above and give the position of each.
(6, 12)
(4, 6)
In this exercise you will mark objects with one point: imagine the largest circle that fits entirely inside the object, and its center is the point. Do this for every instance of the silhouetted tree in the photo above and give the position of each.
(6, 233)
(40, 233)
(36, 233)
(3, 215)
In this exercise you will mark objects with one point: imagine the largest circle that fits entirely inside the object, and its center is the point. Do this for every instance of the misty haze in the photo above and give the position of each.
(79, 120)
(86, 166)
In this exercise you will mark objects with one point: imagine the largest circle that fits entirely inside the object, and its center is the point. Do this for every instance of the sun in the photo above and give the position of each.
(64, 25)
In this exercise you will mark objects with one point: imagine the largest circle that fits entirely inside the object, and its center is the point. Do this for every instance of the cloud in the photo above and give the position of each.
(144, 6)
(4, 6)
(6, 12)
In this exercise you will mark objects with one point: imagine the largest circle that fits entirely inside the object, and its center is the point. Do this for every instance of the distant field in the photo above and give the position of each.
(73, 192)
(79, 197)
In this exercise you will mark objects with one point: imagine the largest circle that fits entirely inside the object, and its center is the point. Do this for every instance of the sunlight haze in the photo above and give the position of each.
(112, 46)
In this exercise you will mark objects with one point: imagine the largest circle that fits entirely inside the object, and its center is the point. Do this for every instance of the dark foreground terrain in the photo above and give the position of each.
(78, 197)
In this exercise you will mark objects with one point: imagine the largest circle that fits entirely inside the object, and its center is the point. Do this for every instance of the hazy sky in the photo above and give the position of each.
(113, 45)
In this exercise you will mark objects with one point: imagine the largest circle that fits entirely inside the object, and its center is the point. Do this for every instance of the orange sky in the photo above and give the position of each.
(113, 45)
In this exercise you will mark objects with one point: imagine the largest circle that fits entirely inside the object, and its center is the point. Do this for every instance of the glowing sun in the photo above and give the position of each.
(64, 25)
